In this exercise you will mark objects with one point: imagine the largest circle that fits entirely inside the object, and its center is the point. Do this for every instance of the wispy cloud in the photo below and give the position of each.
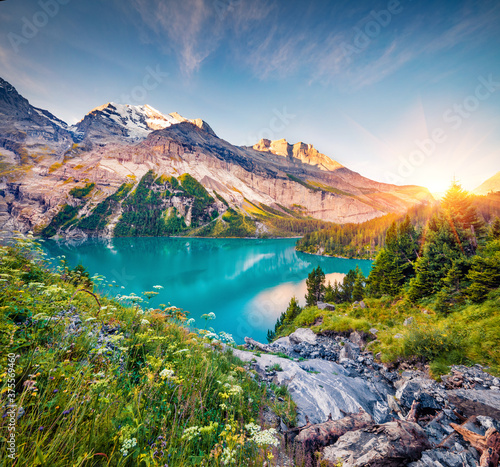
(185, 28)
(258, 35)
(192, 30)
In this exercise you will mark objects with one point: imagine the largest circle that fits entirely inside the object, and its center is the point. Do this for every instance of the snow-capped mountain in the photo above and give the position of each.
(23, 126)
(111, 123)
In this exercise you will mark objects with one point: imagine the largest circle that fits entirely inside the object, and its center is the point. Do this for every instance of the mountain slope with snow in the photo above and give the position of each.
(112, 123)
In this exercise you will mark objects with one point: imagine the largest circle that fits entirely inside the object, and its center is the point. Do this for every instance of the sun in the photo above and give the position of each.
(436, 183)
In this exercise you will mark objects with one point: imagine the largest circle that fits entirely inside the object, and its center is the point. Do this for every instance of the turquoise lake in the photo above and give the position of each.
(246, 283)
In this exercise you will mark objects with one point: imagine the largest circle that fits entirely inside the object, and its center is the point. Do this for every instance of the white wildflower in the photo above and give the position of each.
(166, 373)
(191, 433)
(252, 428)
(266, 438)
(228, 456)
(127, 445)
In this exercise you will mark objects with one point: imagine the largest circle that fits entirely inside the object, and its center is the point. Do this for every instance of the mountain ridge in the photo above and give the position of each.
(117, 144)
(488, 186)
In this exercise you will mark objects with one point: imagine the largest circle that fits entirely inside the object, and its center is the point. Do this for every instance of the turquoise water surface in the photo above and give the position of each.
(246, 283)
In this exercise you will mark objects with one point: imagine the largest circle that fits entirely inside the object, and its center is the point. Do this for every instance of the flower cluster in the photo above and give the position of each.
(226, 337)
(266, 438)
(252, 428)
(233, 390)
(228, 456)
(166, 373)
(194, 431)
(127, 445)
(191, 433)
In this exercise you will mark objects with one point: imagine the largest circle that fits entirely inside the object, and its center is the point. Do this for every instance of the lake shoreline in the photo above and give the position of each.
(334, 256)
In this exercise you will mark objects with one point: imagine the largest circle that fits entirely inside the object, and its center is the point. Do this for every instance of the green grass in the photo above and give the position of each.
(162, 395)
(81, 193)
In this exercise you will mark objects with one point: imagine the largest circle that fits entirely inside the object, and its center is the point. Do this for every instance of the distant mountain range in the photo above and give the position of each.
(490, 185)
(55, 177)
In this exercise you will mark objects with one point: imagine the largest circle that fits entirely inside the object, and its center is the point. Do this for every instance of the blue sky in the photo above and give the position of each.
(400, 91)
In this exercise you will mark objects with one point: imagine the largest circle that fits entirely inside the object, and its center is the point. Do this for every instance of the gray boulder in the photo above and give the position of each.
(325, 306)
(408, 321)
(357, 338)
(426, 391)
(320, 387)
(441, 457)
(476, 402)
(392, 444)
(347, 352)
(303, 335)
(282, 341)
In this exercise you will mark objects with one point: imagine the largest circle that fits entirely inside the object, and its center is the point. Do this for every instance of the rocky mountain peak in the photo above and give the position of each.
(25, 126)
(124, 123)
(201, 124)
(9, 95)
(304, 152)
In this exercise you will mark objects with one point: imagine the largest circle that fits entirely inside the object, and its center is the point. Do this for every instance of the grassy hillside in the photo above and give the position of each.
(102, 382)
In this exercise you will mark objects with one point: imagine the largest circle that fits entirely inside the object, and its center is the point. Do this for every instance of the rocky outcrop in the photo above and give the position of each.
(26, 130)
(303, 335)
(392, 444)
(324, 378)
(320, 388)
(303, 152)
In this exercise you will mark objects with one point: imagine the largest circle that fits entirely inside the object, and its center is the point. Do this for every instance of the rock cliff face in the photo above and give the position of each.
(118, 144)
(306, 153)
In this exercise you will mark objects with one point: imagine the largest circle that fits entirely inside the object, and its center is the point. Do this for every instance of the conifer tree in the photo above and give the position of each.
(451, 239)
(348, 286)
(463, 219)
(395, 264)
(292, 311)
(358, 291)
(315, 286)
(495, 229)
(485, 272)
